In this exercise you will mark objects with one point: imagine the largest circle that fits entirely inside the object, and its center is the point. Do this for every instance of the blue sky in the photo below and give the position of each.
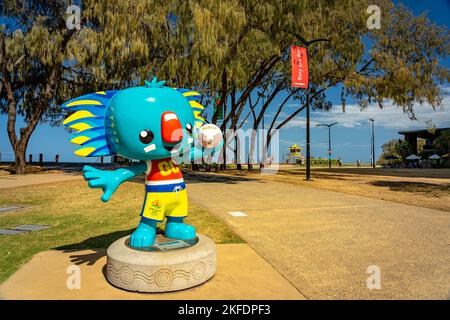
(350, 138)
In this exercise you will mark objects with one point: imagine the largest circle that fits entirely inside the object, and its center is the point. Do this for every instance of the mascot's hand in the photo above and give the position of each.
(109, 181)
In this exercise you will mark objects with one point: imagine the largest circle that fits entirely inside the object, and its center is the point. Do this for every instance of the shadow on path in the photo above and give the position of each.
(98, 244)
(403, 172)
(428, 189)
(198, 177)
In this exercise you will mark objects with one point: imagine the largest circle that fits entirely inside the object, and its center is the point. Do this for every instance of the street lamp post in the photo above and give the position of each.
(308, 139)
(373, 143)
(308, 135)
(329, 139)
(307, 44)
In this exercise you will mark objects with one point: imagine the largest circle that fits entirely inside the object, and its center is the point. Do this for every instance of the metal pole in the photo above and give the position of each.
(308, 155)
(308, 142)
(373, 145)
(263, 143)
(329, 140)
(263, 151)
(224, 151)
(329, 147)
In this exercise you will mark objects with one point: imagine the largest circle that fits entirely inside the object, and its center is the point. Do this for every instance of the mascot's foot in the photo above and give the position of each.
(144, 235)
(176, 229)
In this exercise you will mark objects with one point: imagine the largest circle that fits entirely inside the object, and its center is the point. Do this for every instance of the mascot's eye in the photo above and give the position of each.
(146, 136)
(189, 129)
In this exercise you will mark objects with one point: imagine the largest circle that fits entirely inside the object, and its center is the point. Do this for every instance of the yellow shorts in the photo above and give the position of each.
(169, 204)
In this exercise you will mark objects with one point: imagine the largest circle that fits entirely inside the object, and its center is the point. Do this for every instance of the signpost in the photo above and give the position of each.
(299, 61)
(300, 79)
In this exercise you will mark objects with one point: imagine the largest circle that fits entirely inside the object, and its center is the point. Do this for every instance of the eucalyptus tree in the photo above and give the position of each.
(277, 25)
(43, 60)
(248, 40)
(33, 48)
(399, 62)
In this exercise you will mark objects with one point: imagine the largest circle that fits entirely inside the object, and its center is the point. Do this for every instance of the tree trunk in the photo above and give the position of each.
(237, 145)
(20, 145)
(263, 160)
(219, 165)
(252, 150)
(261, 166)
(19, 155)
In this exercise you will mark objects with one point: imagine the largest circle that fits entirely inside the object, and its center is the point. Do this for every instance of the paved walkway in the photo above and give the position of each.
(11, 181)
(241, 274)
(323, 242)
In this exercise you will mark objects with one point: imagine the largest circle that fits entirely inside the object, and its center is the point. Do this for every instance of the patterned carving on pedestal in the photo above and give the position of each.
(162, 277)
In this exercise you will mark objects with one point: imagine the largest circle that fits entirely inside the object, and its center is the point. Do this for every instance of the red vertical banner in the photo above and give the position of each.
(299, 63)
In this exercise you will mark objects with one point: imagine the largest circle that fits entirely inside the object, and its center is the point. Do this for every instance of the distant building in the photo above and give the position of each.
(429, 136)
(295, 155)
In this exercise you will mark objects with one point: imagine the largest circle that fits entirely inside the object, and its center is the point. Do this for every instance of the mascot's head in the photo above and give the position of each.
(144, 123)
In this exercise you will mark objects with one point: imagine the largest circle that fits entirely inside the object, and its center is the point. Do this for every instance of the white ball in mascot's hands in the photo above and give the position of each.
(210, 135)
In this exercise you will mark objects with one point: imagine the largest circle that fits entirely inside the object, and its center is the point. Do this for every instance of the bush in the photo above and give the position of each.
(391, 163)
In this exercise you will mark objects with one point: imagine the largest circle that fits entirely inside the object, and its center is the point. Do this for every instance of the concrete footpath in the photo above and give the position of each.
(329, 244)
(241, 274)
(12, 181)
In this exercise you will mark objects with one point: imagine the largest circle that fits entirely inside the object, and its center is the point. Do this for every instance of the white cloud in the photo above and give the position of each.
(390, 116)
(300, 123)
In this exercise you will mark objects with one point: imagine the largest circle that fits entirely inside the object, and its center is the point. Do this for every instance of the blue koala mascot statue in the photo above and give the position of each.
(151, 123)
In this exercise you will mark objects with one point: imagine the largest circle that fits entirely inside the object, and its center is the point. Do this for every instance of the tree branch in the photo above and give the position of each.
(316, 94)
(12, 103)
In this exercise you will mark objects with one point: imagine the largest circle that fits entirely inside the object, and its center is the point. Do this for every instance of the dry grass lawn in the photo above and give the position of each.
(80, 220)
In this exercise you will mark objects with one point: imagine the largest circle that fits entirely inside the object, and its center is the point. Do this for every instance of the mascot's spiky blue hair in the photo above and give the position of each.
(88, 119)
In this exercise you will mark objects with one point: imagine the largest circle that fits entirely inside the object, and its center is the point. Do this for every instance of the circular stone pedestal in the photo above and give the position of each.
(169, 265)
